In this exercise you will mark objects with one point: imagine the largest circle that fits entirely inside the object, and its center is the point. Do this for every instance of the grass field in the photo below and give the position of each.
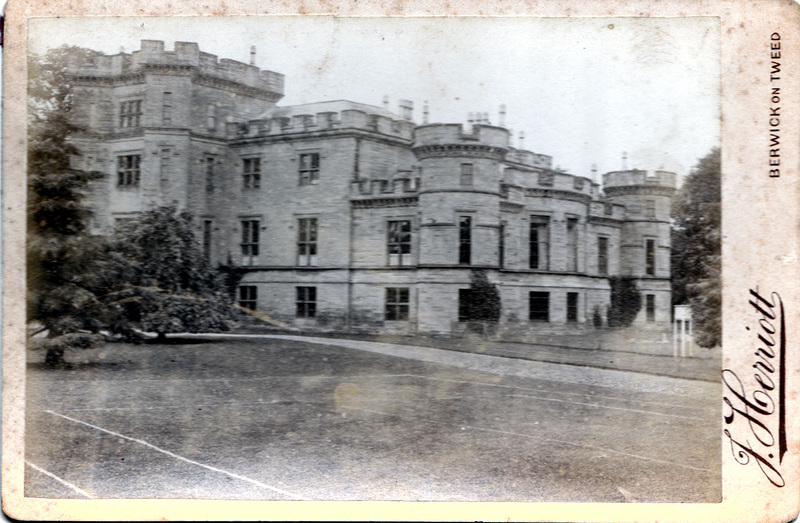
(277, 419)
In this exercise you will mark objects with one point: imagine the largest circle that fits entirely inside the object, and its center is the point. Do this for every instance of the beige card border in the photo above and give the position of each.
(760, 250)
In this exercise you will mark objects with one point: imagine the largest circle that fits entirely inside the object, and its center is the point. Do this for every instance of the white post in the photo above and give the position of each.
(675, 338)
(683, 339)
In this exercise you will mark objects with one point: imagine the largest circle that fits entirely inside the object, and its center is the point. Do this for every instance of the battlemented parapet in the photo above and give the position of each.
(451, 139)
(321, 121)
(529, 158)
(186, 55)
(615, 181)
(322, 116)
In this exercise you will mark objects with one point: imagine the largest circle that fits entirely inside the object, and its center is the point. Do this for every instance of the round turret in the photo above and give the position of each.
(645, 245)
(459, 192)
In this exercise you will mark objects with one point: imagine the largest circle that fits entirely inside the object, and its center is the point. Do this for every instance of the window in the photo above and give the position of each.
(501, 245)
(211, 117)
(207, 229)
(650, 257)
(399, 242)
(128, 171)
(251, 173)
(306, 302)
(572, 307)
(465, 240)
(250, 233)
(166, 109)
(538, 242)
(464, 305)
(466, 174)
(130, 113)
(539, 306)
(397, 304)
(572, 244)
(650, 307)
(209, 165)
(309, 168)
(307, 242)
(650, 208)
(248, 295)
(165, 166)
(602, 255)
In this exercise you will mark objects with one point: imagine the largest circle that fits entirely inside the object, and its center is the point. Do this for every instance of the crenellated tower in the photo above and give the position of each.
(459, 193)
(645, 236)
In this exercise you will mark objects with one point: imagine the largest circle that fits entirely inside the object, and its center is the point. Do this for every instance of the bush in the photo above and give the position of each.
(626, 301)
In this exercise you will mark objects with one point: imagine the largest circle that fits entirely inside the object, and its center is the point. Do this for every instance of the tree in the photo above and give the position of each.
(696, 248)
(171, 286)
(65, 266)
(483, 306)
(626, 301)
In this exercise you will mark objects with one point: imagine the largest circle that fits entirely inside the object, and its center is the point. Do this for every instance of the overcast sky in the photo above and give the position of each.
(583, 90)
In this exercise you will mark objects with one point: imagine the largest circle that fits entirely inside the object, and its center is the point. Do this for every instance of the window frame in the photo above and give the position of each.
(467, 174)
(650, 256)
(130, 113)
(305, 301)
(397, 303)
(248, 294)
(251, 237)
(129, 176)
(573, 241)
(210, 173)
(166, 108)
(464, 302)
(573, 308)
(542, 314)
(602, 255)
(307, 241)
(539, 237)
(649, 208)
(400, 240)
(501, 245)
(308, 170)
(251, 173)
(464, 239)
(211, 117)
(650, 307)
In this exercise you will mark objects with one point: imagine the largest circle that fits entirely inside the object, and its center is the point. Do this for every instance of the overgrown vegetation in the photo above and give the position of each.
(66, 268)
(169, 286)
(626, 301)
(696, 248)
(82, 287)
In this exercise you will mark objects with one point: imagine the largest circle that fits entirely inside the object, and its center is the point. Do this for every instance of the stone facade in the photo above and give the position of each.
(346, 216)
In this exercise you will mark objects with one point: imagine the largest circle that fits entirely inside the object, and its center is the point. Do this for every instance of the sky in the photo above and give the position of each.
(584, 90)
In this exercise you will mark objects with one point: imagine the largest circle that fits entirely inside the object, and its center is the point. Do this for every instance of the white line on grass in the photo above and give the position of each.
(181, 458)
(599, 406)
(541, 438)
(557, 391)
(62, 481)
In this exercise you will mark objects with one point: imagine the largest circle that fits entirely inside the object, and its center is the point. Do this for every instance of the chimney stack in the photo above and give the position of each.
(386, 102)
(406, 109)
(522, 139)
(252, 55)
(425, 114)
(502, 122)
(624, 160)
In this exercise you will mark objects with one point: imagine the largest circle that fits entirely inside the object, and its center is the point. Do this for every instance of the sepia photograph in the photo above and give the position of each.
(395, 259)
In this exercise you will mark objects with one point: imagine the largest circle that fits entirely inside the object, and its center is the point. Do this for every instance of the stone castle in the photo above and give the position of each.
(347, 216)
